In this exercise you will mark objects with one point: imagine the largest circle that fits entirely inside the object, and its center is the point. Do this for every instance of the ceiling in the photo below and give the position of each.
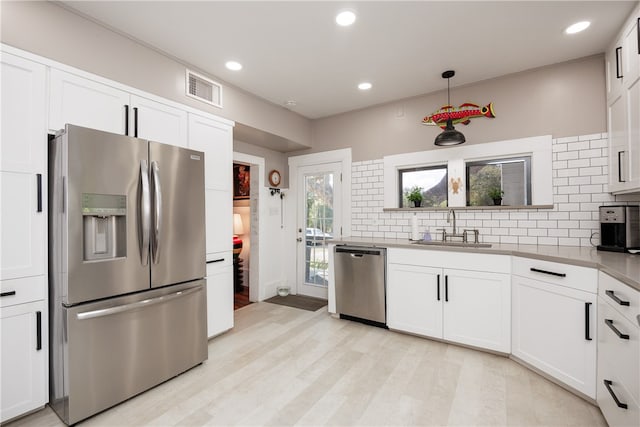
(295, 51)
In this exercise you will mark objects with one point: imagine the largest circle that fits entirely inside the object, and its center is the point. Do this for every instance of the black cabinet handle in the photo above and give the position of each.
(7, 294)
(620, 335)
(126, 120)
(39, 185)
(215, 260)
(618, 61)
(446, 288)
(135, 122)
(438, 287)
(620, 167)
(587, 333)
(613, 296)
(638, 32)
(608, 384)
(38, 330)
(537, 270)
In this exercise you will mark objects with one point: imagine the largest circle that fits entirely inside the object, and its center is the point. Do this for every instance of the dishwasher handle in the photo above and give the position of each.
(358, 252)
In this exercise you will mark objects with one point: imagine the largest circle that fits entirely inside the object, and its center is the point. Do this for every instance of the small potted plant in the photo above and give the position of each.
(415, 195)
(496, 194)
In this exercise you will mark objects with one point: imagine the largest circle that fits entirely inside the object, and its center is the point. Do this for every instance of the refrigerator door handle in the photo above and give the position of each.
(145, 211)
(157, 211)
(135, 305)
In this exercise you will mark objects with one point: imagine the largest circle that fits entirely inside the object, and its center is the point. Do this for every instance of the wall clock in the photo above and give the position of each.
(274, 178)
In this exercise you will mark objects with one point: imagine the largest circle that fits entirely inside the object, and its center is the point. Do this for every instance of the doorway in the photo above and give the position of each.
(250, 212)
(319, 220)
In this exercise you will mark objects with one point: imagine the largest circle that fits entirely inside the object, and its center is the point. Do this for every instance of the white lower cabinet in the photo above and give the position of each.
(25, 357)
(414, 300)
(554, 325)
(618, 387)
(464, 306)
(219, 293)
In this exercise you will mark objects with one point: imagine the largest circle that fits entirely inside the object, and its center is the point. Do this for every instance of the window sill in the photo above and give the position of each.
(467, 208)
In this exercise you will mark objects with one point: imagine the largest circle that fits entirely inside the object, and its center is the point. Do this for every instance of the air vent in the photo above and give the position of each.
(203, 89)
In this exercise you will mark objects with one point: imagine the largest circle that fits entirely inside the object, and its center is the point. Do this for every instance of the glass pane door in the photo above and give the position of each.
(318, 223)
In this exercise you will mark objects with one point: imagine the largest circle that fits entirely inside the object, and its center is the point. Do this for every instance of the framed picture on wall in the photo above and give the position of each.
(241, 181)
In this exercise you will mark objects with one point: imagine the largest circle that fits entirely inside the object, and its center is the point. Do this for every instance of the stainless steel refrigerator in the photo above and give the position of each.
(126, 267)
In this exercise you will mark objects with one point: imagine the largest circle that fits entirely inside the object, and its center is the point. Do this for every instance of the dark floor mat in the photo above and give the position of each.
(299, 301)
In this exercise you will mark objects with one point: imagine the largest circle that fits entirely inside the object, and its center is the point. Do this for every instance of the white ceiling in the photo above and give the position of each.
(295, 51)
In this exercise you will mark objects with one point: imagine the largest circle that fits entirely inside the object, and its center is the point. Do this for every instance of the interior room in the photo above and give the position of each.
(320, 213)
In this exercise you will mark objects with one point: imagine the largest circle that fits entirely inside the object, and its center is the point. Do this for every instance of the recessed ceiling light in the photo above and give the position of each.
(345, 18)
(290, 103)
(364, 86)
(577, 27)
(233, 65)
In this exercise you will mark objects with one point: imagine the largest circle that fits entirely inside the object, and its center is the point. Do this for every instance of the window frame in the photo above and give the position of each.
(526, 159)
(401, 171)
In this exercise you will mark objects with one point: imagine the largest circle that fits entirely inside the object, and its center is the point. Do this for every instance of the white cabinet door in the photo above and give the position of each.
(23, 148)
(633, 125)
(220, 294)
(219, 221)
(554, 329)
(477, 309)
(414, 299)
(215, 139)
(614, 69)
(618, 143)
(24, 385)
(158, 122)
(87, 103)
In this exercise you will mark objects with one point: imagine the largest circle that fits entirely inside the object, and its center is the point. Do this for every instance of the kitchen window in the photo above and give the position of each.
(432, 182)
(511, 176)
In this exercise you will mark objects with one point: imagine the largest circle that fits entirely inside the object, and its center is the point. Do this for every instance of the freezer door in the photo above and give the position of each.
(116, 348)
(98, 233)
(177, 214)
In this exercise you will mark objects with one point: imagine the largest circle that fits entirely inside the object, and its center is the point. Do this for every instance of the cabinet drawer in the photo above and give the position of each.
(620, 353)
(218, 260)
(20, 291)
(615, 415)
(618, 295)
(571, 276)
(450, 259)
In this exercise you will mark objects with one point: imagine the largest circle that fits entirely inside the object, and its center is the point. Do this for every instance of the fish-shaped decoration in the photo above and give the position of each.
(463, 114)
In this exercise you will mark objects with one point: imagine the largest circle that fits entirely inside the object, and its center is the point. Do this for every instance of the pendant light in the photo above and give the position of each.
(449, 136)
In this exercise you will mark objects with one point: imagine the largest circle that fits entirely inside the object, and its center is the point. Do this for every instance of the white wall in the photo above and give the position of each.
(580, 176)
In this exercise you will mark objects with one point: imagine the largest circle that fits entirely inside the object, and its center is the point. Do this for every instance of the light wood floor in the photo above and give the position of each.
(285, 366)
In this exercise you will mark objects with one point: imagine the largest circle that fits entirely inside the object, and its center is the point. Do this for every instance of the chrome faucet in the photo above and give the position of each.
(449, 215)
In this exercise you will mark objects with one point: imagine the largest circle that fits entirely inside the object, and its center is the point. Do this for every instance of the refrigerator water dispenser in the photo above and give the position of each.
(105, 220)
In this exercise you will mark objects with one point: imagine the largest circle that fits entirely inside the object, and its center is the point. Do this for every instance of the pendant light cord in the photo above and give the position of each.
(448, 93)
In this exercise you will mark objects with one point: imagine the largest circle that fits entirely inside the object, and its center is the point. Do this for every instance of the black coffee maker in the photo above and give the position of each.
(619, 228)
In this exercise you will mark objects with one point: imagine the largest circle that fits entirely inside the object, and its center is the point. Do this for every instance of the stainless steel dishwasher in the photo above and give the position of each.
(360, 281)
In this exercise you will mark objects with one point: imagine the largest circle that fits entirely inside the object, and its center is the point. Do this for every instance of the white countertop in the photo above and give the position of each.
(624, 267)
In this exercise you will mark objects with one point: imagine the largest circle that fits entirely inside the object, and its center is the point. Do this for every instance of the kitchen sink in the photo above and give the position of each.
(455, 244)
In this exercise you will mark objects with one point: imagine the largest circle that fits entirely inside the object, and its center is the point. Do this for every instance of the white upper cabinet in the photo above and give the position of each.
(87, 103)
(623, 112)
(158, 122)
(23, 178)
(215, 139)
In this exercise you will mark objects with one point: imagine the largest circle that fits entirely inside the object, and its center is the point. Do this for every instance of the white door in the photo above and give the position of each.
(158, 122)
(87, 103)
(23, 173)
(319, 212)
(414, 299)
(477, 309)
(554, 329)
(24, 359)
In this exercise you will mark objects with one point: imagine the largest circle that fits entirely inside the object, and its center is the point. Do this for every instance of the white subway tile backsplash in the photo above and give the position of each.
(579, 187)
